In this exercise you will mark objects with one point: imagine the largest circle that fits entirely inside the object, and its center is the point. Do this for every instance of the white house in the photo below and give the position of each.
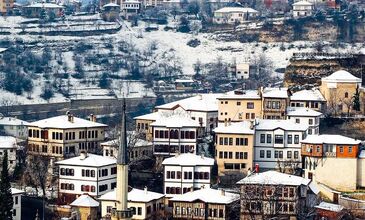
(302, 9)
(139, 149)
(87, 173)
(311, 98)
(17, 203)
(130, 8)
(305, 116)
(204, 204)
(186, 172)
(144, 203)
(176, 133)
(242, 71)
(277, 142)
(202, 108)
(13, 127)
(9, 144)
(230, 15)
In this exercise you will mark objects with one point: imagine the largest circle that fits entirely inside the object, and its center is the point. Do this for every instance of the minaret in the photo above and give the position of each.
(121, 211)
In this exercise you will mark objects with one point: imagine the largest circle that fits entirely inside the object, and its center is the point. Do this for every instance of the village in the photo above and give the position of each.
(131, 109)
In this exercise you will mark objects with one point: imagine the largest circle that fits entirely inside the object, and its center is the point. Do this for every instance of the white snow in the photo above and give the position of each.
(235, 128)
(274, 178)
(43, 5)
(201, 102)
(15, 191)
(135, 195)
(189, 159)
(12, 121)
(267, 124)
(341, 76)
(307, 95)
(62, 122)
(276, 92)
(91, 160)
(330, 207)
(7, 142)
(216, 196)
(85, 201)
(176, 121)
(301, 111)
(330, 139)
(137, 142)
(244, 94)
(236, 9)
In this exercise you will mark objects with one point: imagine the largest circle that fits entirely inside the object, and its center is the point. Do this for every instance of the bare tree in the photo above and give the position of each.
(38, 173)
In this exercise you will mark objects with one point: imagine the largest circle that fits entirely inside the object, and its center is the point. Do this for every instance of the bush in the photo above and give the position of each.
(193, 43)
(104, 81)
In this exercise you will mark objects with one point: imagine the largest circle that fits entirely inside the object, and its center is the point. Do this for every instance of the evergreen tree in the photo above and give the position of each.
(6, 198)
(356, 100)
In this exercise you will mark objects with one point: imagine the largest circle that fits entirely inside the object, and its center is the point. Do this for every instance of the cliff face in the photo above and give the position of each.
(306, 70)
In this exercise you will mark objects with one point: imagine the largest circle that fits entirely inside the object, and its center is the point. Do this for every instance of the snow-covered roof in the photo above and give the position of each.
(216, 196)
(137, 142)
(341, 76)
(189, 159)
(43, 5)
(301, 111)
(235, 128)
(91, 160)
(330, 207)
(2, 49)
(275, 92)
(151, 116)
(62, 122)
(274, 178)
(85, 201)
(236, 9)
(308, 95)
(135, 195)
(132, 1)
(7, 142)
(241, 94)
(111, 5)
(267, 124)
(15, 191)
(302, 3)
(330, 139)
(12, 121)
(176, 121)
(184, 81)
(201, 102)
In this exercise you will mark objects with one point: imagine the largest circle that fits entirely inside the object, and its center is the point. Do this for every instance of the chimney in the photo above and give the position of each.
(225, 123)
(223, 192)
(70, 117)
(202, 155)
(252, 124)
(92, 117)
(200, 96)
(145, 190)
(257, 168)
(83, 155)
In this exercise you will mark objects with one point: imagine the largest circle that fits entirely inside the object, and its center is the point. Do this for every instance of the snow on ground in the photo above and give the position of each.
(209, 50)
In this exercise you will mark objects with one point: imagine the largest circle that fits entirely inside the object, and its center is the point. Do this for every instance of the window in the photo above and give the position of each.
(310, 121)
(296, 154)
(318, 149)
(268, 138)
(290, 139)
(230, 141)
(296, 139)
(350, 149)
(250, 105)
(262, 154)
(281, 154)
(279, 139)
(268, 154)
(220, 141)
(262, 138)
(341, 149)
(16, 200)
(346, 94)
(289, 154)
(238, 103)
(276, 155)
(297, 120)
(139, 211)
